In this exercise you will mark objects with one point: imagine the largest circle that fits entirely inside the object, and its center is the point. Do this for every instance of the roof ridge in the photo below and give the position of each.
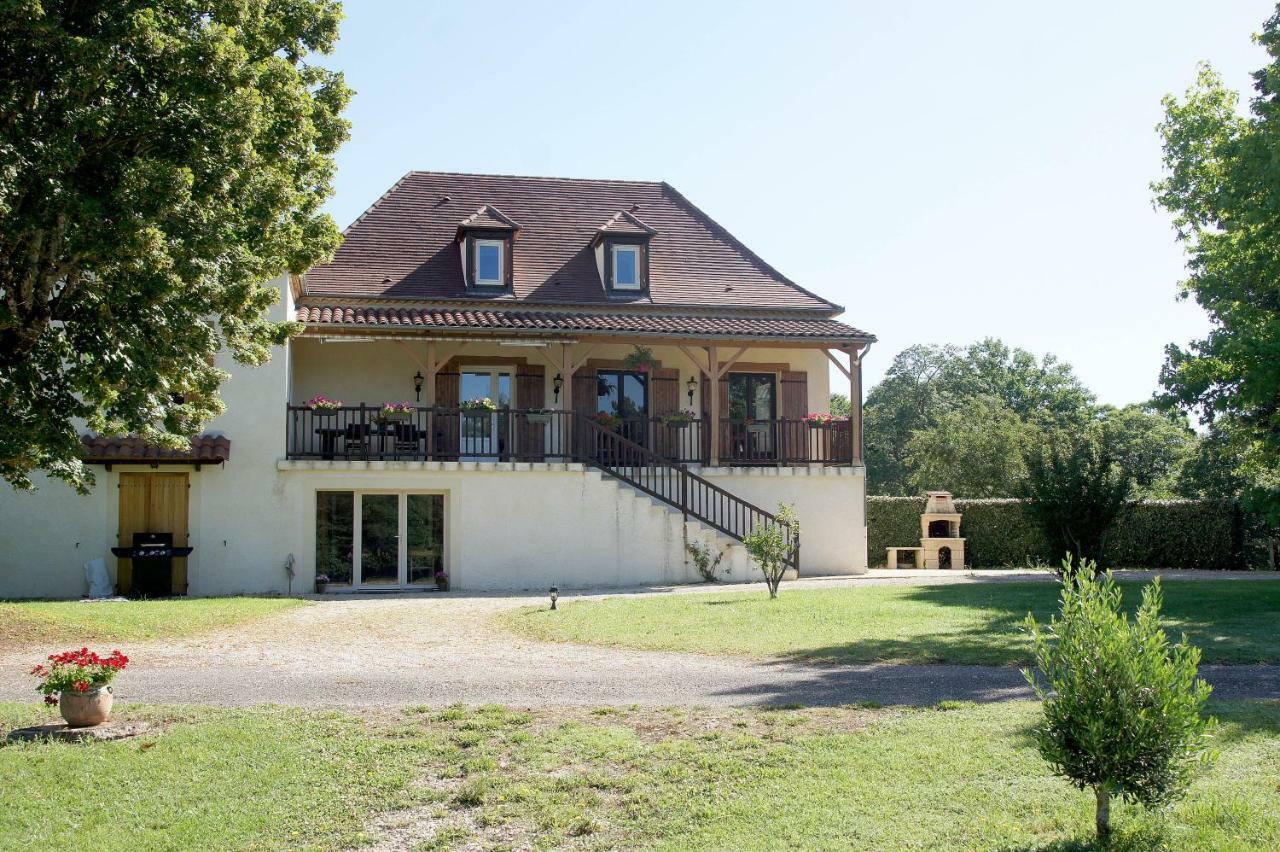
(538, 177)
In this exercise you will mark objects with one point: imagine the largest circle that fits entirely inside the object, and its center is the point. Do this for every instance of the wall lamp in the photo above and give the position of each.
(556, 384)
(692, 384)
(417, 385)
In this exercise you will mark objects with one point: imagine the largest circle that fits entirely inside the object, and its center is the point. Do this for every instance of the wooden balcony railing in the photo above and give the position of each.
(361, 432)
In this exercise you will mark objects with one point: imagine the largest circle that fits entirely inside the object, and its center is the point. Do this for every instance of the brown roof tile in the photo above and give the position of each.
(403, 246)
(205, 448)
(486, 320)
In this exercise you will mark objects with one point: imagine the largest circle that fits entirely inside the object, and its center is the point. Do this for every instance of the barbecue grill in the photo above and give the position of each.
(152, 555)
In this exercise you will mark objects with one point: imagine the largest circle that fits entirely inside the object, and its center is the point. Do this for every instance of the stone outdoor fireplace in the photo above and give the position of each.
(940, 543)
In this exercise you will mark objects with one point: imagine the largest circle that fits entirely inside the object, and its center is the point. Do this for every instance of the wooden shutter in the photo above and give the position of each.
(167, 512)
(585, 391)
(531, 392)
(664, 386)
(585, 399)
(447, 396)
(134, 505)
(794, 401)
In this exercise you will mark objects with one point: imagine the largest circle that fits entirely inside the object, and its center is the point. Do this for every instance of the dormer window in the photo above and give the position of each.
(489, 263)
(626, 267)
(622, 255)
(486, 240)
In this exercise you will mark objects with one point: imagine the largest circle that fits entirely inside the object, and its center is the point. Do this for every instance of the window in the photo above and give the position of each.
(626, 267)
(489, 263)
(752, 396)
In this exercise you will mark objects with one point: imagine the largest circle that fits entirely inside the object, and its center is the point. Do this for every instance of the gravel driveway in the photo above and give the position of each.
(440, 649)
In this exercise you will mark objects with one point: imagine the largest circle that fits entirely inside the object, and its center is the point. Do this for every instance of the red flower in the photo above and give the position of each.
(81, 685)
(38, 670)
(51, 699)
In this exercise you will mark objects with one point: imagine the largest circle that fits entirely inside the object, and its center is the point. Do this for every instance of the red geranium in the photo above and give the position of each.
(80, 670)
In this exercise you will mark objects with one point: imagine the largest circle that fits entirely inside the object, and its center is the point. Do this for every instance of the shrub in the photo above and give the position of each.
(1205, 534)
(770, 546)
(1122, 705)
(1076, 493)
(704, 561)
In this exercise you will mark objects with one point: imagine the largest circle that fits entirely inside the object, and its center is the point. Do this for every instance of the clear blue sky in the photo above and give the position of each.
(946, 171)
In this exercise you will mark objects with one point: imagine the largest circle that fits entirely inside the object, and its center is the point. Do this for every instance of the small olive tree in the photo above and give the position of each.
(1122, 705)
(770, 546)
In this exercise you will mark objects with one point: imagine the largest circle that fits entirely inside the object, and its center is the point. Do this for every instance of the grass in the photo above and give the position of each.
(28, 623)
(1232, 621)
(960, 777)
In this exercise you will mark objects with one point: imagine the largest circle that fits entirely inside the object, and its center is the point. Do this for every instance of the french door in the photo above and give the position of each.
(398, 538)
(625, 394)
(753, 408)
(482, 434)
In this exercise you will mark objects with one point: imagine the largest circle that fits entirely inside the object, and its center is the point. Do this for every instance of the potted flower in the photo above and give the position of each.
(641, 360)
(322, 406)
(322, 583)
(476, 405)
(817, 419)
(79, 682)
(395, 411)
(605, 419)
(442, 580)
(677, 419)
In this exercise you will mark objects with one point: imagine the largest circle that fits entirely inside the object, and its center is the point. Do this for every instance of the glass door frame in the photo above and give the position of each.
(402, 537)
(495, 434)
(634, 429)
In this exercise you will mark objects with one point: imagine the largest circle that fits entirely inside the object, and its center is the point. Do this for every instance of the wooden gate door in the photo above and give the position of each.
(153, 502)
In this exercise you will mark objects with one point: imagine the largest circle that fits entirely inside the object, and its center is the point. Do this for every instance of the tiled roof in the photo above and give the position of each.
(205, 448)
(403, 246)
(484, 319)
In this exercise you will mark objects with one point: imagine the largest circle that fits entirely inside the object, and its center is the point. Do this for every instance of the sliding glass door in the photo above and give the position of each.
(391, 539)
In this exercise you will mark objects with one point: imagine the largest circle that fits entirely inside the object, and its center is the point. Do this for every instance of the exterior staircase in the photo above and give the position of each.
(674, 486)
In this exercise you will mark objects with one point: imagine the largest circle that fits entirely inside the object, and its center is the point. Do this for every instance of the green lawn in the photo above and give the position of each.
(30, 622)
(975, 623)
(966, 777)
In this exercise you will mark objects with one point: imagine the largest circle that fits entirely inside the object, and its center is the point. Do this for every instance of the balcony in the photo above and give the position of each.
(363, 433)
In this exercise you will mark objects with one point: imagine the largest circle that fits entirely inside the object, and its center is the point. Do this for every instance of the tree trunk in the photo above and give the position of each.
(1102, 818)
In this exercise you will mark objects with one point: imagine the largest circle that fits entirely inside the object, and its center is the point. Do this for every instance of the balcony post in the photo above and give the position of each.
(855, 407)
(713, 404)
(432, 369)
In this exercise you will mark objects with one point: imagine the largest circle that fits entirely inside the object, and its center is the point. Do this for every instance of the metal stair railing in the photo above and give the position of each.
(603, 448)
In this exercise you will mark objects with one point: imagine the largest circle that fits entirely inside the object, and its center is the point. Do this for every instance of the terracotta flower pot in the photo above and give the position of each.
(85, 709)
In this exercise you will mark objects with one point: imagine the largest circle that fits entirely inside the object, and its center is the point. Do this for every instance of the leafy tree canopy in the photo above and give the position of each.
(927, 383)
(1223, 188)
(158, 162)
(975, 450)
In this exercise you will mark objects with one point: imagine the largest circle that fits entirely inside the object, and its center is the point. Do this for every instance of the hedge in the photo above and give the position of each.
(1000, 532)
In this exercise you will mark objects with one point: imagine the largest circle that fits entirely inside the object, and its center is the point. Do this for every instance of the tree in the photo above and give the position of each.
(158, 162)
(1151, 446)
(902, 403)
(840, 405)
(924, 383)
(771, 545)
(973, 451)
(1223, 189)
(1122, 706)
(1076, 492)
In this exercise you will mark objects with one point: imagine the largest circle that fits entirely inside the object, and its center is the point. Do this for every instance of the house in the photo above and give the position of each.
(543, 382)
